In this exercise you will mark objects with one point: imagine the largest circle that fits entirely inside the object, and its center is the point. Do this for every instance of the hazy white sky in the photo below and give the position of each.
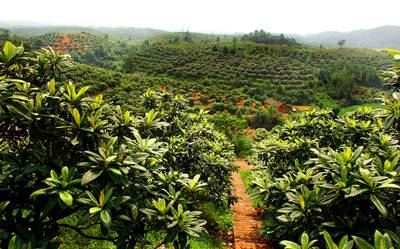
(281, 16)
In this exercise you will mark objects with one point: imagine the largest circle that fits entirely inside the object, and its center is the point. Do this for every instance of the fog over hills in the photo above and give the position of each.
(380, 37)
(27, 28)
(387, 36)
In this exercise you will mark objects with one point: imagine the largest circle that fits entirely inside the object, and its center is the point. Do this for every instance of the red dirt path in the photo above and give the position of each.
(245, 219)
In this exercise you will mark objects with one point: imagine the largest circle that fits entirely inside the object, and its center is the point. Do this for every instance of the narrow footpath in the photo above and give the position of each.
(245, 219)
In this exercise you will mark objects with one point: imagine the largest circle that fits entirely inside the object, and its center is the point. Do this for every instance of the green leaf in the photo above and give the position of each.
(52, 87)
(105, 218)
(111, 142)
(14, 243)
(94, 210)
(9, 51)
(301, 201)
(82, 91)
(53, 174)
(328, 239)
(378, 240)
(101, 199)
(194, 181)
(90, 176)
(395, 237)
(3, 205)
(115, 171)
(77, 117)
(65, 173)
(361, 243)
(388, 184)
(66, 197)
(92, 198)
(108, 195)
(290, 244)
(127, 117)
(379, 205)
(356, 191)
(39, 192)
(345, 244)
(304, 239)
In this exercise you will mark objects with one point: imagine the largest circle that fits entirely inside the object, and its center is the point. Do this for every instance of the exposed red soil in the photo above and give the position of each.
(240, 103)
(302, 107)
(65, 44)
(246, 222)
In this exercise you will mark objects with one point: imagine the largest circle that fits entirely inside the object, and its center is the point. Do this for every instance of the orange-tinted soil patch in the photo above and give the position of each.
(65, 44)
(302, 107)
(245, 219)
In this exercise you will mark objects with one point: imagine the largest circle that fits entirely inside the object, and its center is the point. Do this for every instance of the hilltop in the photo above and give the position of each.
(129, 33)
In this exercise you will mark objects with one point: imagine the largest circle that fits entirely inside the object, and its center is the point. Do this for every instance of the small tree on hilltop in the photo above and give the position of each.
(341, 43)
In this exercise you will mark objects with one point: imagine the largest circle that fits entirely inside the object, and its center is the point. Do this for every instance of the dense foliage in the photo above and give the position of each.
(234, 128)
(260, 36)
(321, 172)
(288, 73)
(225, 71)
(99, 50)
(7, 35)
(66, 154)
(128, 33)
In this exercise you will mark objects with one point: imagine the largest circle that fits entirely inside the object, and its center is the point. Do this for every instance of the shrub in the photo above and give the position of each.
(233, 127)
(322, 172)
(65, 154)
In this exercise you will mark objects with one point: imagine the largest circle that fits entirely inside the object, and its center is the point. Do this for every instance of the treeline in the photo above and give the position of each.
(260, 36)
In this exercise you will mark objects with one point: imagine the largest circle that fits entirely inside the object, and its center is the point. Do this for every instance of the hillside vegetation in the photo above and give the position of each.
(288, 73)
(233, 73)
(99, 50)
(118, 32)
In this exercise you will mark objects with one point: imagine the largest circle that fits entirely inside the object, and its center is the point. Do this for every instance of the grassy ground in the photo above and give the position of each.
(206, 241)
(219, 220)
(353, 108)
(246, 177)
(246, 174)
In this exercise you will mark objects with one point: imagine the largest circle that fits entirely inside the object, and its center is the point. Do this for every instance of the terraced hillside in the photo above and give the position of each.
(289, 73)
(227, 72)
(84, 47)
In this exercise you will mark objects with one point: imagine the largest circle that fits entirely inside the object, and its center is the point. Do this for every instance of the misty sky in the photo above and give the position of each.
(280, 16)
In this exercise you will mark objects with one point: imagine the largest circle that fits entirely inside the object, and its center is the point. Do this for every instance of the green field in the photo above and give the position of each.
(375, 106)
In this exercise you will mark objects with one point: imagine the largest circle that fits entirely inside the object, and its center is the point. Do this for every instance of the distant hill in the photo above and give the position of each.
(260, 36)
(130, 33)
(380, 37)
